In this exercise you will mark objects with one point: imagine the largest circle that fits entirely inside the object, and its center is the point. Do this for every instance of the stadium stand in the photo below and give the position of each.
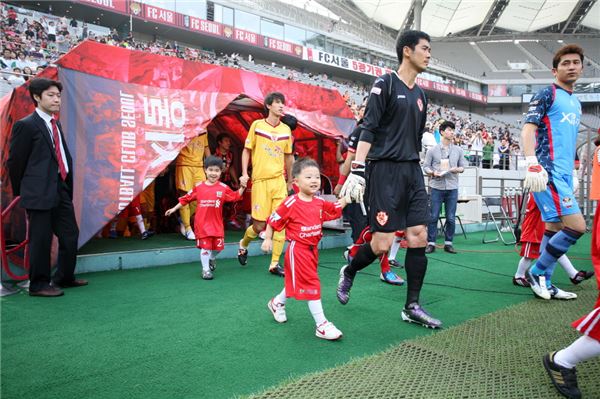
(473, 59)
(486, 60)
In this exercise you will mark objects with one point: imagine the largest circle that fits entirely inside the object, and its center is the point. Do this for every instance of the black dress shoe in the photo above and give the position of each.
(50, 291)
(430, 248)
(70, 284)
(449, 249)
(147, 234)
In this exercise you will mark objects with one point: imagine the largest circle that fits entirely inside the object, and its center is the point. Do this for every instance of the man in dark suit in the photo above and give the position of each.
(41, 172)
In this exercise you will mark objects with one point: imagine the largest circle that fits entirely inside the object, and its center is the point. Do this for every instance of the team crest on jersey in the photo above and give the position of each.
(219, 194)
(567, 202)
(420, 104)
(275, 217)
(382, 218)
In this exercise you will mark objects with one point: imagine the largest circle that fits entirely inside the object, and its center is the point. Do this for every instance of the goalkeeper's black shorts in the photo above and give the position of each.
(396, 196)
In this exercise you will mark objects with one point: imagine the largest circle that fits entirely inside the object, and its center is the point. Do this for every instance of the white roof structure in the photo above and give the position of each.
(444, 17)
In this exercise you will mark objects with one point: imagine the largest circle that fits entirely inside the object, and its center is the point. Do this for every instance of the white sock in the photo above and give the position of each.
(567, 265)
(524, 264)
(280, 298)
(204, 257)
(394, 249)
(582, 349)
(213, 254)
(316, 309)
(140, 222)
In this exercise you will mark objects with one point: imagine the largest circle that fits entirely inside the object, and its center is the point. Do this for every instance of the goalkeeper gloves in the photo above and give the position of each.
(354, 186)
(536, 177)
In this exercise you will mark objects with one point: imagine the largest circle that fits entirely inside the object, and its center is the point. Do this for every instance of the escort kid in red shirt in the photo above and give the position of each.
(210, 195)
(302, 216)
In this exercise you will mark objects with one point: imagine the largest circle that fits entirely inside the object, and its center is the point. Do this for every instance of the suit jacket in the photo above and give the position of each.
(33, 166)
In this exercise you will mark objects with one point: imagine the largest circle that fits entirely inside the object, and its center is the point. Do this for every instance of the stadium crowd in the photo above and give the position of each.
(29, 46)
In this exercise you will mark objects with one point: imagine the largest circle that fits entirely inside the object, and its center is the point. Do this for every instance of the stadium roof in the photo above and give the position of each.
(442, 18)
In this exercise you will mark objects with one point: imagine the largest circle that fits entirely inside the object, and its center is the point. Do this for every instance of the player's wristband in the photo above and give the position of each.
(531, 160)
(342, 179)
(358, 168)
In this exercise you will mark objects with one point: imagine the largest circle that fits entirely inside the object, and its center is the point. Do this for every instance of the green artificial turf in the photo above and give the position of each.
(165, 333)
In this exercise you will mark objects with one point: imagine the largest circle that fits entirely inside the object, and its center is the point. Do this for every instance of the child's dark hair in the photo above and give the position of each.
(39, 85)
(213, 161)
(302, 164)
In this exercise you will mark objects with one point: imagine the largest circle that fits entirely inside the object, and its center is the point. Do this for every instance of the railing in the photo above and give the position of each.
(508, 162)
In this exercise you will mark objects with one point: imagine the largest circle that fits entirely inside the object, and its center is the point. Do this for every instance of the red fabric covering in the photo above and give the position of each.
(322, 113)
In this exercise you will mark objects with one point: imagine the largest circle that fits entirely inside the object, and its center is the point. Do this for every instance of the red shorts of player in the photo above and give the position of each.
(301, 278)
(533, 227)
(530, 250)
(590, 324)
(246, 203)
(211, 243)
(133, 209)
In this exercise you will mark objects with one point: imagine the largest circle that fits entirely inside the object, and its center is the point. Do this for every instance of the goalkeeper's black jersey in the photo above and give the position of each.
(394, 120)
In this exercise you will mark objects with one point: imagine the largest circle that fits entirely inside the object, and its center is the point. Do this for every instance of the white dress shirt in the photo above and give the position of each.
(48, 119)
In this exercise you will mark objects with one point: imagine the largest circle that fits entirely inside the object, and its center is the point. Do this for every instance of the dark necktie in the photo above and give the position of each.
(61, 165)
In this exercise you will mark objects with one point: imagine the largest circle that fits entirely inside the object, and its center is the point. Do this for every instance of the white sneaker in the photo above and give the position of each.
(538, 285)
(557, 293)
(189, 235)
(278, 311)
(328, 331)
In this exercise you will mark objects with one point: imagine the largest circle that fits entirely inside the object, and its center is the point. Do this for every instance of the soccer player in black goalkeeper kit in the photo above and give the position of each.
(396, 196)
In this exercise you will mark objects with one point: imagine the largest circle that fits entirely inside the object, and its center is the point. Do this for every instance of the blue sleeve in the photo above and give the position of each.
(539, 106)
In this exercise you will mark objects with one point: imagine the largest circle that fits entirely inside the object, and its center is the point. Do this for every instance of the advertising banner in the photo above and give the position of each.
(132, 132)
(113, 5)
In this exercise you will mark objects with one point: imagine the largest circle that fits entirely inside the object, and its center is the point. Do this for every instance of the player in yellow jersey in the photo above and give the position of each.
(269, 144)
(189, 171)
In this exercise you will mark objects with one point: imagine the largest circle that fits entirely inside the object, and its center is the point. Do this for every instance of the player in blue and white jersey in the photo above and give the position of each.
(549, 137)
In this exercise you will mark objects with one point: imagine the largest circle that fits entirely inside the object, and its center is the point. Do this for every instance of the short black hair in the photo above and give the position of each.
(213, 161)
(39, 85)
(271, 97)
(447, 124)
(290, 120)
(302, 164)
(409, 38)
(221, 136)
